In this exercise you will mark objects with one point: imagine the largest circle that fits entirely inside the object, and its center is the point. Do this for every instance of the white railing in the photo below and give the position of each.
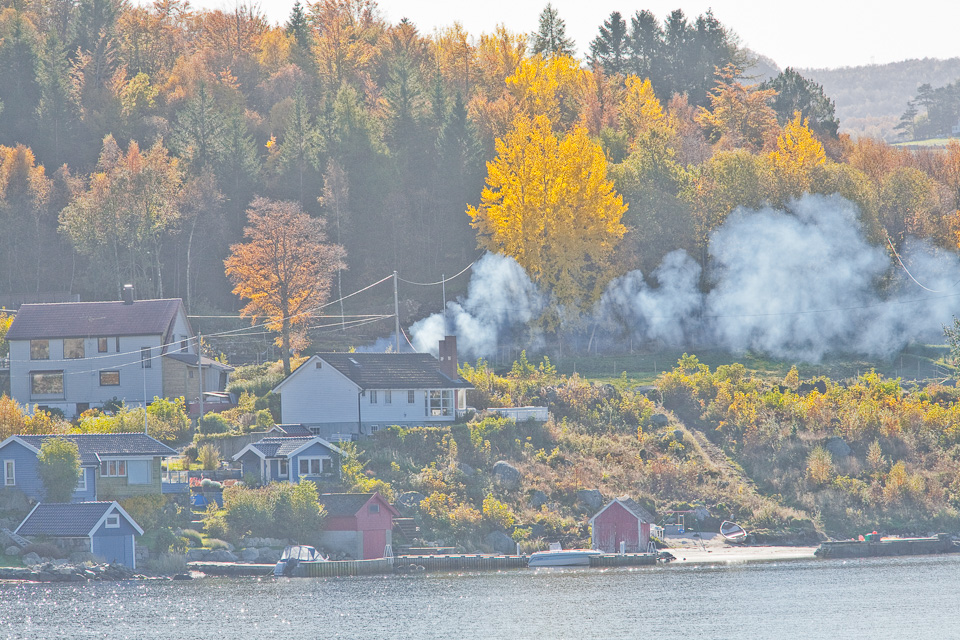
(522, 414)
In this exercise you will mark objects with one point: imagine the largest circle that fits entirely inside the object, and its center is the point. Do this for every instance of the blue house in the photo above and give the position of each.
(102, 528)
(290, 459)
(112, 465)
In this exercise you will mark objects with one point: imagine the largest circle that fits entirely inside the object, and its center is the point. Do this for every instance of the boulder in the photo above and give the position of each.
(590, 497)
(80, 557)
(30, 559)
(195, 555)
(221, 555)
(12, 550)
(838, 448)
(466, 469)
(268, 555)
(250, 554)
(409, 503)
(500, 542)
(659, 420)
(538, 499)
(506, 475)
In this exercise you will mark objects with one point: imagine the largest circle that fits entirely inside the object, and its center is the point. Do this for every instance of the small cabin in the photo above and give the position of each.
(358, 524)
(101, 528)
(621, 523)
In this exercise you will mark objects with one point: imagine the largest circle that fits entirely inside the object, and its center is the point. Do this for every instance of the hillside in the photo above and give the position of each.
(870, 99)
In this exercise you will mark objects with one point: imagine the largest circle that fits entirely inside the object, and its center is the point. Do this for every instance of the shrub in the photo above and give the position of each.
(193, 537)
(168, 563)
(215, 544)
(164, 539)
(58, 466)
(497, 513)
(209, 456)
(214, 423)
(44, 550)
(215, 521)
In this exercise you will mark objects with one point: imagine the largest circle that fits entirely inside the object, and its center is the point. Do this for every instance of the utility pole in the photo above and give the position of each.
(396, 309)
(200, 376)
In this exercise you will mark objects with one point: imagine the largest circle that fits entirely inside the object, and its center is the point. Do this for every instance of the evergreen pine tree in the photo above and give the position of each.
(551, 37)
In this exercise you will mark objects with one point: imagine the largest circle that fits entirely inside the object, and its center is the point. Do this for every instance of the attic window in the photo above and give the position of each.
(113, 521)
(319, 365)
(374, 508)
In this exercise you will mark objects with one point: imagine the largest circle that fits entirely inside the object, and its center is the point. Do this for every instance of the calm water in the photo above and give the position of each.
(893, 598)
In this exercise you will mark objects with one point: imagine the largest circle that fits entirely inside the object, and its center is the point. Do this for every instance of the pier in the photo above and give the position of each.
(941, 543)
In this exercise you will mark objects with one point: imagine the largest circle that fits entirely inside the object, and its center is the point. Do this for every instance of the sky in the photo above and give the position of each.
(811, 34)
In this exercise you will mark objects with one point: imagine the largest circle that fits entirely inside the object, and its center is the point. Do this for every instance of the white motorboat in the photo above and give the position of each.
(293, 556)
(559, 557)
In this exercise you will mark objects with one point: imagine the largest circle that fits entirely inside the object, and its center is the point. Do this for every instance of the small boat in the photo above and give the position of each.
(559, 557)
(732, 532)
(292, 556)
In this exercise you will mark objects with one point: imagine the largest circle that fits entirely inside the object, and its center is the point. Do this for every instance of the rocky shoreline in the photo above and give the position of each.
(60, 571)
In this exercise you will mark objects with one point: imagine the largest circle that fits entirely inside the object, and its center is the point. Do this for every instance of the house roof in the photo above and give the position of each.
(283, 446)
(630, 505)
(94, 446)
(70, 520)
(290, 430)
(388, 370)
(348, 504)
(191, 360)
(93, 319)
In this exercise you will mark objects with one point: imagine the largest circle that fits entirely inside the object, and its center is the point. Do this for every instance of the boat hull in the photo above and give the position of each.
(568, 558)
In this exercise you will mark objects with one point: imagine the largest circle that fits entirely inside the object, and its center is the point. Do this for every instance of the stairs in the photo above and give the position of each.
(405, 530)
(20, 541)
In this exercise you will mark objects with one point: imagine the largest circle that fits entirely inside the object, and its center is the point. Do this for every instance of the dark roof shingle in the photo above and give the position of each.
(93, 319)
(92, 445)
(344, 504)
(393, 370)
(63, 519)
(637, 510)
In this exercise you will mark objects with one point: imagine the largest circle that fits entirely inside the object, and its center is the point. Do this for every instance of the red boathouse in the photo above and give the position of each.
(621, 521)
(358, 524)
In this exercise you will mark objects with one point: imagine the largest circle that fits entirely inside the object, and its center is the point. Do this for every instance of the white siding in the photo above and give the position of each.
(312, 396)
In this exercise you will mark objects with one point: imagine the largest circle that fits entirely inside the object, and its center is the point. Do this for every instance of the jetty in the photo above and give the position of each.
(940, 543)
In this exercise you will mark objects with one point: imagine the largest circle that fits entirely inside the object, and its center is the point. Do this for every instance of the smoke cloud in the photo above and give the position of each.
(501, 300)
(794, 285)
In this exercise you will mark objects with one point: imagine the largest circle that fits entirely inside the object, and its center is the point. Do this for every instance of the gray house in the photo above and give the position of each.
(72, 356)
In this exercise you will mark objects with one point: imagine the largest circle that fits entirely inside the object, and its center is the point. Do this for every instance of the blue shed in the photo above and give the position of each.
(290, 459)
(103, 528)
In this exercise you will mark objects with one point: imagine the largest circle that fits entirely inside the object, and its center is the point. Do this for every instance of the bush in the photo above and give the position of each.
(214, 423)
(44, 550)
(215, 544)
(193, 537)
(168, 563)
(209, 456)
(164, 539)
(215, 521)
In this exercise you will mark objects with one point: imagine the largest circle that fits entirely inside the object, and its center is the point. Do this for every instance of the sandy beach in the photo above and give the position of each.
(688, 550)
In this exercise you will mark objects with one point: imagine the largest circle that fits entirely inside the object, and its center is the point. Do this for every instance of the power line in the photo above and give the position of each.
(441, 281)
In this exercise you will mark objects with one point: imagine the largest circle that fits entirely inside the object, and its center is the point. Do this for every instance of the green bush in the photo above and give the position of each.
(193, 537)
(215, 544)
(214, 423)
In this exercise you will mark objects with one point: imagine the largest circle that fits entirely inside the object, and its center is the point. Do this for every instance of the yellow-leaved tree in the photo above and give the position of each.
(641, 111)
(549, 205)
(797, 156)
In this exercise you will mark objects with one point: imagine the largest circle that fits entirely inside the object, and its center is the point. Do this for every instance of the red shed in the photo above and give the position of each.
(622, 520)
(358, 524)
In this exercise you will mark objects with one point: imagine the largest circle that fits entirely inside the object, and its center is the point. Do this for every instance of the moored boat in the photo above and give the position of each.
(292, 558)
(559, 557)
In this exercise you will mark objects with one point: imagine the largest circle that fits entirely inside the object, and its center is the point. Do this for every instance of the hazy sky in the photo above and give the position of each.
(814, 33)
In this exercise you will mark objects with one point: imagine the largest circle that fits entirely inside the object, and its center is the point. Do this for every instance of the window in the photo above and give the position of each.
(190, 373)
(109, 378)
(82, 480)
(315, 466)
(138, 472)
(411, 397)
(284, 468)
(387, 397)
(72, 348)
(101, 345)
(374, 508)
(118, 344)
(113, 521)
(183, 346)
(44, 383)
(113, 468)
(319, 364)
(39, 349)
(9, 473)
(439, 403)
(373, 397)
(145, 360)
(374, 428)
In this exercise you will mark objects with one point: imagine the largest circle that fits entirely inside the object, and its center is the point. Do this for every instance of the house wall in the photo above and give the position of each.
(250, 464)
(81, 376)
(25, 461)
(614, 525)
(348, 542)
(314, 450)
(178, 381)
(111, 488)
(116, 545)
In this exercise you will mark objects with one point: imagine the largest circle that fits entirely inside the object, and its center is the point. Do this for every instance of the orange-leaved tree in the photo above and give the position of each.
(549, 205)
(285, 269)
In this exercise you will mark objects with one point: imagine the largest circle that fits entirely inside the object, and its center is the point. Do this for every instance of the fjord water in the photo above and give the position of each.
(870, 598)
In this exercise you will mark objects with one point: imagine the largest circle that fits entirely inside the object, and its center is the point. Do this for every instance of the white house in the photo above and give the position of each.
(73, 356)
(341, 395)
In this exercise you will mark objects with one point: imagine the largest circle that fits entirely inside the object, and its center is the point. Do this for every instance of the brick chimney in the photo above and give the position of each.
(448, 357)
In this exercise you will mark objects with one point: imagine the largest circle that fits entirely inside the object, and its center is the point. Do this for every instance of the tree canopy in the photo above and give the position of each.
(58, 466)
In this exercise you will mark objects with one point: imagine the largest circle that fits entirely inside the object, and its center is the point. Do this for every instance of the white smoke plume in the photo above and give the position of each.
(500, 299)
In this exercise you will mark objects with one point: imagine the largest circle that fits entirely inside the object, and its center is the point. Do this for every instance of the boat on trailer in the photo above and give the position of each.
(556, 556)
(732, 532)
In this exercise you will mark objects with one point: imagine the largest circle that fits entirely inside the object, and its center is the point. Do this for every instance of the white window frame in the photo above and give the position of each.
(308, 460)
(82, 480)
(116, 371)
(373, 396)
(113, 521)
(9, 473)
(283, 468)
(76, 341)
(388, 397)
(411, 397)
(114, 468)
(146, 358)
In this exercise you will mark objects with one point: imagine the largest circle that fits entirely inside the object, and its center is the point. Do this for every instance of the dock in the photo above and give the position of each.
(625, 560)
(940, 543)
